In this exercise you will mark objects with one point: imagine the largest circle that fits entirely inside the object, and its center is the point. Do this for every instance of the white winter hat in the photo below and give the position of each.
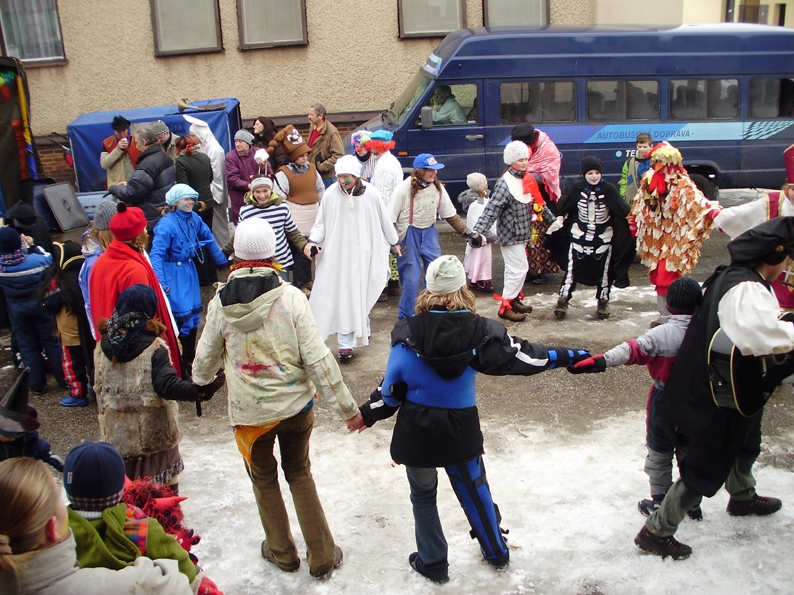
(261, 156)
(261, 181)
(476, 181)
(514, 151)
(254, 240)
(348, 165)
(445, 275)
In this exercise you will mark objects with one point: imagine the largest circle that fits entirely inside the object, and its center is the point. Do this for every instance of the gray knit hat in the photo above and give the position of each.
(244, 136)
(104, 211)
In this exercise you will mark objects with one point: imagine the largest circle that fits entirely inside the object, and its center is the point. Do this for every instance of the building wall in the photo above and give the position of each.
(638, 12)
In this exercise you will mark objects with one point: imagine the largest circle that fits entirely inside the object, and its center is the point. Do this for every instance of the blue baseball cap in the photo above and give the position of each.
(427, 161)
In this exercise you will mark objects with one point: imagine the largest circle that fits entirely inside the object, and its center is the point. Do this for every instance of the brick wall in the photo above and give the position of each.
(52, 162)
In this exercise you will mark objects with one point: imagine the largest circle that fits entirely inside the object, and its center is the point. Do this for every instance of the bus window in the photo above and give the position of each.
(454, 105)
(620, 101)
(771, 98)
(536, 102)
(701, 99)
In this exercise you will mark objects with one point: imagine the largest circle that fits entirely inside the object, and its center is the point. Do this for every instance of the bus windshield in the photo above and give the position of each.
(407, 99)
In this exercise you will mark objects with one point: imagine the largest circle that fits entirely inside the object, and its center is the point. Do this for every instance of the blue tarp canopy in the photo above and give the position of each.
(88, 131)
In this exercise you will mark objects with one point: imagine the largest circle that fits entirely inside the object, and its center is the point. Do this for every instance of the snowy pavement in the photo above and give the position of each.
(570, 503)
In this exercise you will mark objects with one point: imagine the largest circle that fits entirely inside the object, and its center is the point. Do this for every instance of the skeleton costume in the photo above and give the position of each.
(591, 240)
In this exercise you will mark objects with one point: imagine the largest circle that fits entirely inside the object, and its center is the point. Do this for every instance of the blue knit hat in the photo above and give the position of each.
(137, 298)
(10, 240)
(93, 476)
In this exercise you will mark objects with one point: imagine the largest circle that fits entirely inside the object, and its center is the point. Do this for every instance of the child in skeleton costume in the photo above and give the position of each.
(511, 207)
(591, 239)
(431, 378)
(671, 219)
(736, 220)
(657, 349)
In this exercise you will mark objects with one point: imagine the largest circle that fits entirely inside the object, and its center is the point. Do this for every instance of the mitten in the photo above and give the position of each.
(591, 365)
(206, 392)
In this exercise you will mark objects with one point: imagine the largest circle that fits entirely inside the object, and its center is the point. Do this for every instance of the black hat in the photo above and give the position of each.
(526, 133)
(592, 163)
(68, 255)
(15, 414)
(120, 123)
(771, 242)
(683, 296)
(93, 476)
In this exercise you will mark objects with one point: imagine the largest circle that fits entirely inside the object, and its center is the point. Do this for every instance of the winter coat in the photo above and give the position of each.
(153, 177)
(136, 397)
(122, 535)
(19, 282)
(177, 240)
(117, 269)
(240, 170)
(30, 444)
(263, 333)
(430, 377)
(196, 171)
(91, 252)
(54, 571)
(326, 149)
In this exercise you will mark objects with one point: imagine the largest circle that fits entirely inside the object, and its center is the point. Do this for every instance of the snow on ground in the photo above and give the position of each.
(569, 502)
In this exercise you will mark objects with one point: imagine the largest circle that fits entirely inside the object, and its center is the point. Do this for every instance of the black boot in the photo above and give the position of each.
(757, 505)
(662, 546)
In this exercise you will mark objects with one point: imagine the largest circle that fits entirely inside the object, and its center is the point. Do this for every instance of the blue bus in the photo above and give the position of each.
(723, 94)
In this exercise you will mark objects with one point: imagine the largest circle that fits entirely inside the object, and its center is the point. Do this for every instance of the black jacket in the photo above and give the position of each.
(152, 178)
(196, 171)
(24, 219)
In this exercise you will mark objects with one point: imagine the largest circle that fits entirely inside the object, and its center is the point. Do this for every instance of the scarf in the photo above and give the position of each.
(124, 330)
(13, 258)
(253, 264)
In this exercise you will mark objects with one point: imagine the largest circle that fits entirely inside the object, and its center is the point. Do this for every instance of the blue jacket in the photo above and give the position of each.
(19, 282)
(178, 237)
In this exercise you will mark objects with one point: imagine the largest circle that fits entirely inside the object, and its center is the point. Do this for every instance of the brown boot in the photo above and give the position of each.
(561, 309)
(512, 315)
(603, 309)
(520, 307)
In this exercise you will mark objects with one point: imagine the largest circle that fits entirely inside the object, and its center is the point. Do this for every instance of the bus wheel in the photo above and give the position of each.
(705, 185)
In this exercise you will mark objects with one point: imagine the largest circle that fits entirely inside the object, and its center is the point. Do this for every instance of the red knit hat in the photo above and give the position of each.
(127, 223)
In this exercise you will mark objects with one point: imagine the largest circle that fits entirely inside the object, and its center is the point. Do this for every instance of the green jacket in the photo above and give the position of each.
(103, 543)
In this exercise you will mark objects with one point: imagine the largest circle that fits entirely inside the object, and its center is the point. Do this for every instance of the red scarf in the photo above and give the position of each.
(120, 257)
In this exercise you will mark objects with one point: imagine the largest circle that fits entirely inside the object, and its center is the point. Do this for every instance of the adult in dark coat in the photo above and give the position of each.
(153, 177)
(23, 218)
(724, 441)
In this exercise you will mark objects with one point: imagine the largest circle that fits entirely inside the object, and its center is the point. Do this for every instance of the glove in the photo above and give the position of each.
(555, 226)
(548, 216)
(475, 240)
(591, 365)
(206, 392)
(375, 409)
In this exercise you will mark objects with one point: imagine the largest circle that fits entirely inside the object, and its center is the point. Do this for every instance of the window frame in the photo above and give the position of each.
(672, 92)
(402, 34)
(540, 108)
(546, 8)
(243, 45)
(218, 47)
(34, 62)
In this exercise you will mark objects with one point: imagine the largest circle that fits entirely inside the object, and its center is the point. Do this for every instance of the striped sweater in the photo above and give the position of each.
(278, 216)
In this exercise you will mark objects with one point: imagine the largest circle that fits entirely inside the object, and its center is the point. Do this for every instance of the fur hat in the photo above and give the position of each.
(244, 136)
(10, 240)
(261, 181)
(590, 163)
(445, 275)
(683, 296)
(93, 476)
(127, 223)
(16, 416)
(291, 143)
(178, 192)
(67, 255)
(348, 165)
(770, 241)
(477, 181)
(254, 240)
(515, 150)
(120, 123)
(526, 133)
(103, 213)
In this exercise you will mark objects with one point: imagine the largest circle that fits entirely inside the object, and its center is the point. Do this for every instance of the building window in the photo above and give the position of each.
(622, 101)
(186, 27)
(537, 102)
(510, 13)
(704, 99)
(268, 23)
(430, 18)
(31, 30)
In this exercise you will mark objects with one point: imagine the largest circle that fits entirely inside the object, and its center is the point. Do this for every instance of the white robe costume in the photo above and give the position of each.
(355, 234)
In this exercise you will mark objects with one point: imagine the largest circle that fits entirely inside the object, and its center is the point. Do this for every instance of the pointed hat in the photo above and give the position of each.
(15, 415)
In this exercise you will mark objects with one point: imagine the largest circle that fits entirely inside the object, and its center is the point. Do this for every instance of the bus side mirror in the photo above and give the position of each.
(427, 117)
